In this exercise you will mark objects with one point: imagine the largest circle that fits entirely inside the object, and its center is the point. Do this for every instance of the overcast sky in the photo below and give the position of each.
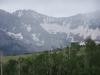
(58, 8)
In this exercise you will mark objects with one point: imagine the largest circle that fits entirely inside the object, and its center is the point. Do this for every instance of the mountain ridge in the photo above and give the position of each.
(38, 32)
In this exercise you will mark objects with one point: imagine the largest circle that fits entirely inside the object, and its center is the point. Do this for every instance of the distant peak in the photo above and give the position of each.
(26, 12)
(3, 11)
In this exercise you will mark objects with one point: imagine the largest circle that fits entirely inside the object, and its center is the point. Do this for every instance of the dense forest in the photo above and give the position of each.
(74, 60)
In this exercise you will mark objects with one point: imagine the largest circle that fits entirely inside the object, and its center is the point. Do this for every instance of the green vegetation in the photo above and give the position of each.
(76, 60)
(16, 57)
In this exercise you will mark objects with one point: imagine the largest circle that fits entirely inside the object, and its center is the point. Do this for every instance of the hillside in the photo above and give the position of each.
(30, 31)
(71, 60)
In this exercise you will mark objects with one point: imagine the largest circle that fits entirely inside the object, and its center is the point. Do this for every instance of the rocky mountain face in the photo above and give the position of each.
(28, 31)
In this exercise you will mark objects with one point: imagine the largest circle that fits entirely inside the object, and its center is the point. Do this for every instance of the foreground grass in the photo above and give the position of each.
(16, 57)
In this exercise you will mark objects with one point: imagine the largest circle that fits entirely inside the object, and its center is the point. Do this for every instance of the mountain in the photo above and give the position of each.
(10, 45)
(28, 31)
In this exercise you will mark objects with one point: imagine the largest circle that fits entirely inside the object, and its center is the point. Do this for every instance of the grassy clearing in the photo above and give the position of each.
(16, 57)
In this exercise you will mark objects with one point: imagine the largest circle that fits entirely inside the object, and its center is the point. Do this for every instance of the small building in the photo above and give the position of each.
(82, 43)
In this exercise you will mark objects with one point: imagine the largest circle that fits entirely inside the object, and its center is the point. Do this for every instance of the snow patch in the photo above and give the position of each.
(20, 14)
(28, 27)
(83, 31)
(17, 36)
(35, 38)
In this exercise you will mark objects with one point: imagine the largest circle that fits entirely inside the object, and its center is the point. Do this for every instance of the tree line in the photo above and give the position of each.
(73, 60)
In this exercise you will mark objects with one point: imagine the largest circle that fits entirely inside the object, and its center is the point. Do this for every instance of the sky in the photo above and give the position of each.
(55, 8)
